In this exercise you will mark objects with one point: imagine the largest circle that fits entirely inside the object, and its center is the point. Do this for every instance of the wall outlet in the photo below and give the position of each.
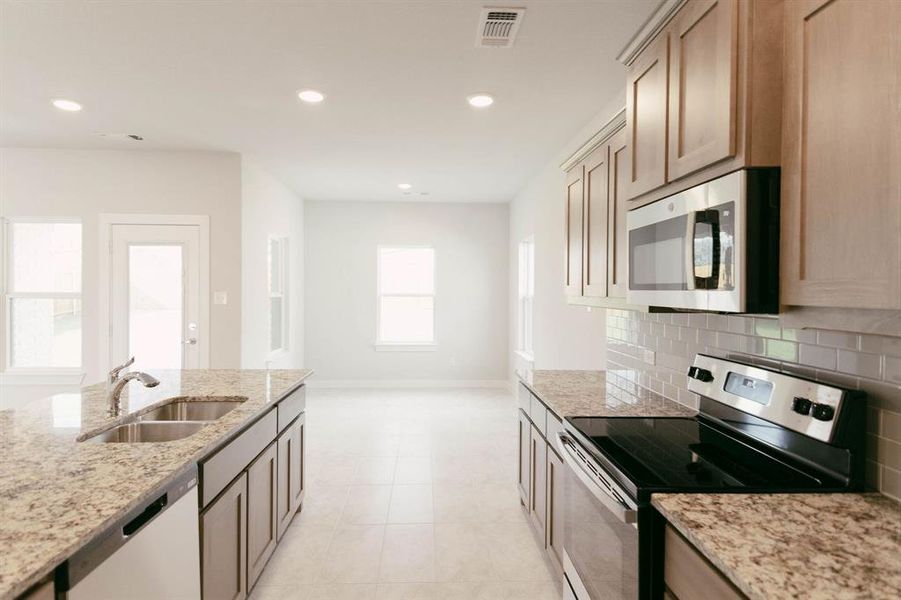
(220, 297)
(650, 356)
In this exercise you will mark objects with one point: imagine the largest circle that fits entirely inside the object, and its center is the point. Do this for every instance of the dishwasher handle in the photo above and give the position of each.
(600, 488)
(146, 516)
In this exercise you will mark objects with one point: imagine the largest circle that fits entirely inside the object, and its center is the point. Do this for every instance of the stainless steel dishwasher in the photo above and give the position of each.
(152, 552)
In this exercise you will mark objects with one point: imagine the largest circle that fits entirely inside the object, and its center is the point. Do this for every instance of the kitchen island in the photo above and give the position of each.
(58, 493)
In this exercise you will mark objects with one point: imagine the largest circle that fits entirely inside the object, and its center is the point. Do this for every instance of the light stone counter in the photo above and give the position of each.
(811, 546)
(56, 494)
(599, 394)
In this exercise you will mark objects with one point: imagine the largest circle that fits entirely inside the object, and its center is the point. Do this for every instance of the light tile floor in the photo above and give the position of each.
(411, 496)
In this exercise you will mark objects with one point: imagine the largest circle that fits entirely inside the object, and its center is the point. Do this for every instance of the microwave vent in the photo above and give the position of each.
(498, 27)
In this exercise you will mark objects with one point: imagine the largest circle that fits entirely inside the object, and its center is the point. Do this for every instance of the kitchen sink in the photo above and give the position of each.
(193, 409)
(147, 431)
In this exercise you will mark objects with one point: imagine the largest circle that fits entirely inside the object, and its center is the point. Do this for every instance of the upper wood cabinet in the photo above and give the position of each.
(617, 242)
(703, 97)
(595, 215)
(702, 86)
(646, 117)
(841, 182)
(573, 232)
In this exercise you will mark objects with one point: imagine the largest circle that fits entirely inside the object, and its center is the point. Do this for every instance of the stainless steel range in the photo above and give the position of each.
(757, 431)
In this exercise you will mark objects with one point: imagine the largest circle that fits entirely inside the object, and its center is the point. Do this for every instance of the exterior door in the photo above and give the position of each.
(841, 147)
(155, 296)
(597, 194)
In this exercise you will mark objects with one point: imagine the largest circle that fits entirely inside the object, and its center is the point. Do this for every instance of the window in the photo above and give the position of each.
(526, 294)
(406, 295)
(43, 294)
(278, 295)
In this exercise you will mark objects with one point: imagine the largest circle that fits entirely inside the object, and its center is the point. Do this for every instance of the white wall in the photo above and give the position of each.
(564, 336)
(85, 183)
(268, 208)
(471, 245)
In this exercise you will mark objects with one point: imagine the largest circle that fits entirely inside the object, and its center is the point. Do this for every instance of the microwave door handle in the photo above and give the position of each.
(610, 502)
(690, 226)
(712, 218)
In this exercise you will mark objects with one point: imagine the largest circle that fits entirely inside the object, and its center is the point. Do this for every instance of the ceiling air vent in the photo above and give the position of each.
(498, 27)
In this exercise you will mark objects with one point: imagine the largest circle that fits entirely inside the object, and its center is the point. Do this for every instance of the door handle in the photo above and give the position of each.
(190, 342)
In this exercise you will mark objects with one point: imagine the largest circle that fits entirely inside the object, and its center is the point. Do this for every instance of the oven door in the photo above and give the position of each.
(683, 249)
(600, 531)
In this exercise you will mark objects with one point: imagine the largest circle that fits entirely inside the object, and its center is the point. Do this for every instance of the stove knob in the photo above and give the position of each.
(700, 374)
(802, 405)
(823, 412)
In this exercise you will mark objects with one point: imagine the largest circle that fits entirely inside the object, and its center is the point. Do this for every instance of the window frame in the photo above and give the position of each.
(404, 346)
(7, 295)
(283, 246)
(525, 343)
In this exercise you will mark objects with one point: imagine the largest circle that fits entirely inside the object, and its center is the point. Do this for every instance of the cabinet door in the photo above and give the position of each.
(617, 242)
(702, 85)
(841, 185)
(538, 504)
(554, 527)
(290, 473)
(573, 234)
(596, 213)
(525, 458)
(223, 528)
(262, 486)
(646, 114)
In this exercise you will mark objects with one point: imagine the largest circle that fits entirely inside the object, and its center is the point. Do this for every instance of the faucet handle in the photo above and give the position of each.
(114, 372)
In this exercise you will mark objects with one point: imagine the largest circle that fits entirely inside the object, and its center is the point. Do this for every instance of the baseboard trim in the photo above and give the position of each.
(407, 383)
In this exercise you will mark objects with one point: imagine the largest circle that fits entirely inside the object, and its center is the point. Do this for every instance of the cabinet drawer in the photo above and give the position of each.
(538, 414)
(525, 398)
(290, 406)
(553, 428)
(218, 470)
(688, 574)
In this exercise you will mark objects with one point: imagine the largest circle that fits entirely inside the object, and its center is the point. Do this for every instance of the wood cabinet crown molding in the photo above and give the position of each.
(644, 36)
(616, 122)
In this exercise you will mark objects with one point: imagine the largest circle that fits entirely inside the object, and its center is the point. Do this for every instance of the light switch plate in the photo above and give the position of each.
(220, 297)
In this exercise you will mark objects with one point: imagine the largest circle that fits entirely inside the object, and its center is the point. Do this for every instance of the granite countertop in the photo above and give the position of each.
(56, 494)
(599, 394)
(774, 546)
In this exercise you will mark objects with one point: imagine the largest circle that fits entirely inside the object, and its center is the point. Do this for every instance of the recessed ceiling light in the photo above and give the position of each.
(68, 105)
(311, 96)
(480, 100)
(404, 186)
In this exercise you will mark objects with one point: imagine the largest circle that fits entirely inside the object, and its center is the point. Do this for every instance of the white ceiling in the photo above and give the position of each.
(223, 76)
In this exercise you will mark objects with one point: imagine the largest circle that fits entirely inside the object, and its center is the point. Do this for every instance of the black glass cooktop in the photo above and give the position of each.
(688, 454)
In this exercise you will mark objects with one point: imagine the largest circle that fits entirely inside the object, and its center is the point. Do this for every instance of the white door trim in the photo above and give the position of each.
(106, 221)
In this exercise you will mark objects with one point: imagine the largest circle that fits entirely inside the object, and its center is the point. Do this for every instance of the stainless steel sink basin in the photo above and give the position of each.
(147, 431)
(193, 409)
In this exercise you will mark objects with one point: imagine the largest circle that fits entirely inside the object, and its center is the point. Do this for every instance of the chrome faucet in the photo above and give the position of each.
(117, 384)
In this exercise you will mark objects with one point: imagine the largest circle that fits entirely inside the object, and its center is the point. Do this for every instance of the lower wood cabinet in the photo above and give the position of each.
(688, 575)
(223, 537)
(290, 473)
(554, 526)
(525, 459)
(538, 501)
(262, 488)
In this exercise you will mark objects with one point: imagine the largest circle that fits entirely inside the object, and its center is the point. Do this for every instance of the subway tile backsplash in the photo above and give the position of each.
(868, 362)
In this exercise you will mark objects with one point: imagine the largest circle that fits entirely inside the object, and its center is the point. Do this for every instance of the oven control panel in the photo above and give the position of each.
(805, 406)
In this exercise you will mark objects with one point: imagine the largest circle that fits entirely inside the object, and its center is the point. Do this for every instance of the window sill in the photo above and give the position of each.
(42, 377)
(405, 347)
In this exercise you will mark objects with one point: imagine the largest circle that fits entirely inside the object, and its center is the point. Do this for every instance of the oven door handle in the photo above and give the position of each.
(604, 495)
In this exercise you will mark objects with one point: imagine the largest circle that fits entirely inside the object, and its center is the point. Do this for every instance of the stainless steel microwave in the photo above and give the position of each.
(711, 247)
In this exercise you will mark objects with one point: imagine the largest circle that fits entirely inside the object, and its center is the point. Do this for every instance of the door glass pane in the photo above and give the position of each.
(45, 332)
(406, 319)
(46, 257)
(155, 297)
